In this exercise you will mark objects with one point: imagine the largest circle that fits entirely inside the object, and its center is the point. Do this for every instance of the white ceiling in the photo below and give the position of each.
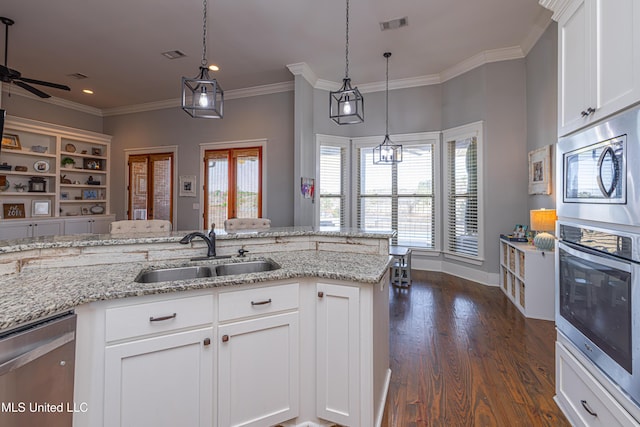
(118, 43)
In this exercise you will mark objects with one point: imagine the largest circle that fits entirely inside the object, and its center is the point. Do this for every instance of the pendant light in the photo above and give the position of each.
(346, 106)
(387, 153)
(202, 96)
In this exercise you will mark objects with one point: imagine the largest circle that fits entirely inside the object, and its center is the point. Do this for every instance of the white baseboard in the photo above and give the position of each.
(456, 269)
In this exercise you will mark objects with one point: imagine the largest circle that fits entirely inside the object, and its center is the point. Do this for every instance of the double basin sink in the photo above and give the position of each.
(201, 271)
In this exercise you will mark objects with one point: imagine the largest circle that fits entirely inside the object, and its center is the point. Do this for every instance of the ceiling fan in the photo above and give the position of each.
(7, 75)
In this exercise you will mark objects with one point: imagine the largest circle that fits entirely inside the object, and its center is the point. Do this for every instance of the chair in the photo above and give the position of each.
(401, 270)
(233, 225)
(128, 226)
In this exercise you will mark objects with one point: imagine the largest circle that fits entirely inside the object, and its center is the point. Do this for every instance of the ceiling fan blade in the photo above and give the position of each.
(43, 83)
(31, 89)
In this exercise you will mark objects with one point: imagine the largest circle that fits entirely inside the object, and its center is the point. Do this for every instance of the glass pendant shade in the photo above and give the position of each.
(346, 105)
(387, 153)
(202, 97)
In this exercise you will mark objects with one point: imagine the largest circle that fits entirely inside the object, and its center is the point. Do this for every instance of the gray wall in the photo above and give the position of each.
(542, 105)
(44, 111)
(266, 116)
(495, 94)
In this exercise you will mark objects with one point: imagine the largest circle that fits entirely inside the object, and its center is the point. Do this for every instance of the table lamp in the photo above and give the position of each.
(543, 221)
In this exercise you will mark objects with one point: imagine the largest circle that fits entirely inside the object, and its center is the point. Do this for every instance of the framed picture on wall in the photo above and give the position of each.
(540, 171)
(187, 186)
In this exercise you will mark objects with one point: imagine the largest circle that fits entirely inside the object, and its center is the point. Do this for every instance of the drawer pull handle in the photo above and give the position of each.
(320, 294)
(586, 407)
(207, 341)
(225, 338)
(160, 319)
(261, 302)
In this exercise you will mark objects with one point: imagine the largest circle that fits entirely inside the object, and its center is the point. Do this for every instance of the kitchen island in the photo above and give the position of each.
(307, 342)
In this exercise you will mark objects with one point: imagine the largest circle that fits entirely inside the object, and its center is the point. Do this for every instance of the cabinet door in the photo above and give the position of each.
(258, 371)
(617, 52)
(47, 228)
(576, 67)
(337, 335)
(161, 381)
(101, 225)
(15, 231)
(77, 226)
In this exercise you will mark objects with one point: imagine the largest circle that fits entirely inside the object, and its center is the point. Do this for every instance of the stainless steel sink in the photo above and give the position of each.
(170, 274)
(245, 267)
(200, 271)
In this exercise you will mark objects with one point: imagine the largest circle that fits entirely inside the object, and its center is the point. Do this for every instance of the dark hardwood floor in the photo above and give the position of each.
(463, 355)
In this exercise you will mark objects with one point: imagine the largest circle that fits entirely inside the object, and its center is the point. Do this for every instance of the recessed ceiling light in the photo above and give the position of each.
(214, 67)
(173, 54)
(87, 91)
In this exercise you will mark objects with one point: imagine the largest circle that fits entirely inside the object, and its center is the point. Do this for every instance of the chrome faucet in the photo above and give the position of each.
(210, 240)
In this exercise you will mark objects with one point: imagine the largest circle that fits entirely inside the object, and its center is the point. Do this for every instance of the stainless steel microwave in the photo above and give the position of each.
(598, 170)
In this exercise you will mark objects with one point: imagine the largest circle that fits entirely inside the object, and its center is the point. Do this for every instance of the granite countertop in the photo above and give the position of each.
(84, 240)
(37, 293)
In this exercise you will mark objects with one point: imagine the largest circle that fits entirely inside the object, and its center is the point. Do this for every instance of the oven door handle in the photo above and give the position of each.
(595, 256)
(39, 351)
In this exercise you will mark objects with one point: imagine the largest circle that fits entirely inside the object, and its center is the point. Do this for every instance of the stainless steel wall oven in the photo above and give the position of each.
(597, 257)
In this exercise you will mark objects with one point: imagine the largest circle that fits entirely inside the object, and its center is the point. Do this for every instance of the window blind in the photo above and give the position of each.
(332, 189)
(462, 196)
(400, 196)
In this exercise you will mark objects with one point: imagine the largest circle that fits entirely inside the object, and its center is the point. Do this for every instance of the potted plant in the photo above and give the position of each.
(67, 162)
(20, 187)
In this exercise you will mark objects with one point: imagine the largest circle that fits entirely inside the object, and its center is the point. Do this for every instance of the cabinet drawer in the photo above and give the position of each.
(162, 316)
(257, 301)
(581, 393)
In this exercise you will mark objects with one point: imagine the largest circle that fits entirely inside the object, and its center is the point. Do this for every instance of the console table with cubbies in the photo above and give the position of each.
(527, 278)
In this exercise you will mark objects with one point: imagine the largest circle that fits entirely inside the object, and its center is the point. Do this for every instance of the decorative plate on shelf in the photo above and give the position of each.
(6, 186)
(41, 166)
(97, 209)
(70, 148)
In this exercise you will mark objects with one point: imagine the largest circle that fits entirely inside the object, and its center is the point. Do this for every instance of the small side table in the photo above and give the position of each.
(401, 267)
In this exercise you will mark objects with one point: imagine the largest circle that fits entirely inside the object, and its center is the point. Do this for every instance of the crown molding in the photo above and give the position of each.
(172, 103)
(556, 6)
(539, 27)
(14, 90)
(302, 69)
(480, 59)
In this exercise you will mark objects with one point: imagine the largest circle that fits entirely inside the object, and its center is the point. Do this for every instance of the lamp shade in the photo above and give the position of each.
(543, 219)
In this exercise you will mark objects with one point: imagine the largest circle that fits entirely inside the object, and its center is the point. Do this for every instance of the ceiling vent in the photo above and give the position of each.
(78, 76)
(394, 24)
(173, 54)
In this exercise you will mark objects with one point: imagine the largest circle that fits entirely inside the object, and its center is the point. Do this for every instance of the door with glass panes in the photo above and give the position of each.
(232, 185)
(151, 186)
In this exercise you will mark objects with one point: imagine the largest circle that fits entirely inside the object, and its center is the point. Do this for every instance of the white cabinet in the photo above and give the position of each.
(258, 357)
(160, 381)
(584, 401)
(15, 229)
(338, 374)
(158, 364)
(527, 278)
(95, 225)
(598, 59)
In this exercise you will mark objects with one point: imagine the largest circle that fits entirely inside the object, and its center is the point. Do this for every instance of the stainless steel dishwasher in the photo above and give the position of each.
(36, 373)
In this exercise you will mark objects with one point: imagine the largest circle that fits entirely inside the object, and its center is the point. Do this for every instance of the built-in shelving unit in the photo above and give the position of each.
(77, 190)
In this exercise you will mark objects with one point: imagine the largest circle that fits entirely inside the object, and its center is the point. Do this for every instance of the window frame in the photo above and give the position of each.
(226, 145)
(341, 142)
(471, 130)
(419, 138)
